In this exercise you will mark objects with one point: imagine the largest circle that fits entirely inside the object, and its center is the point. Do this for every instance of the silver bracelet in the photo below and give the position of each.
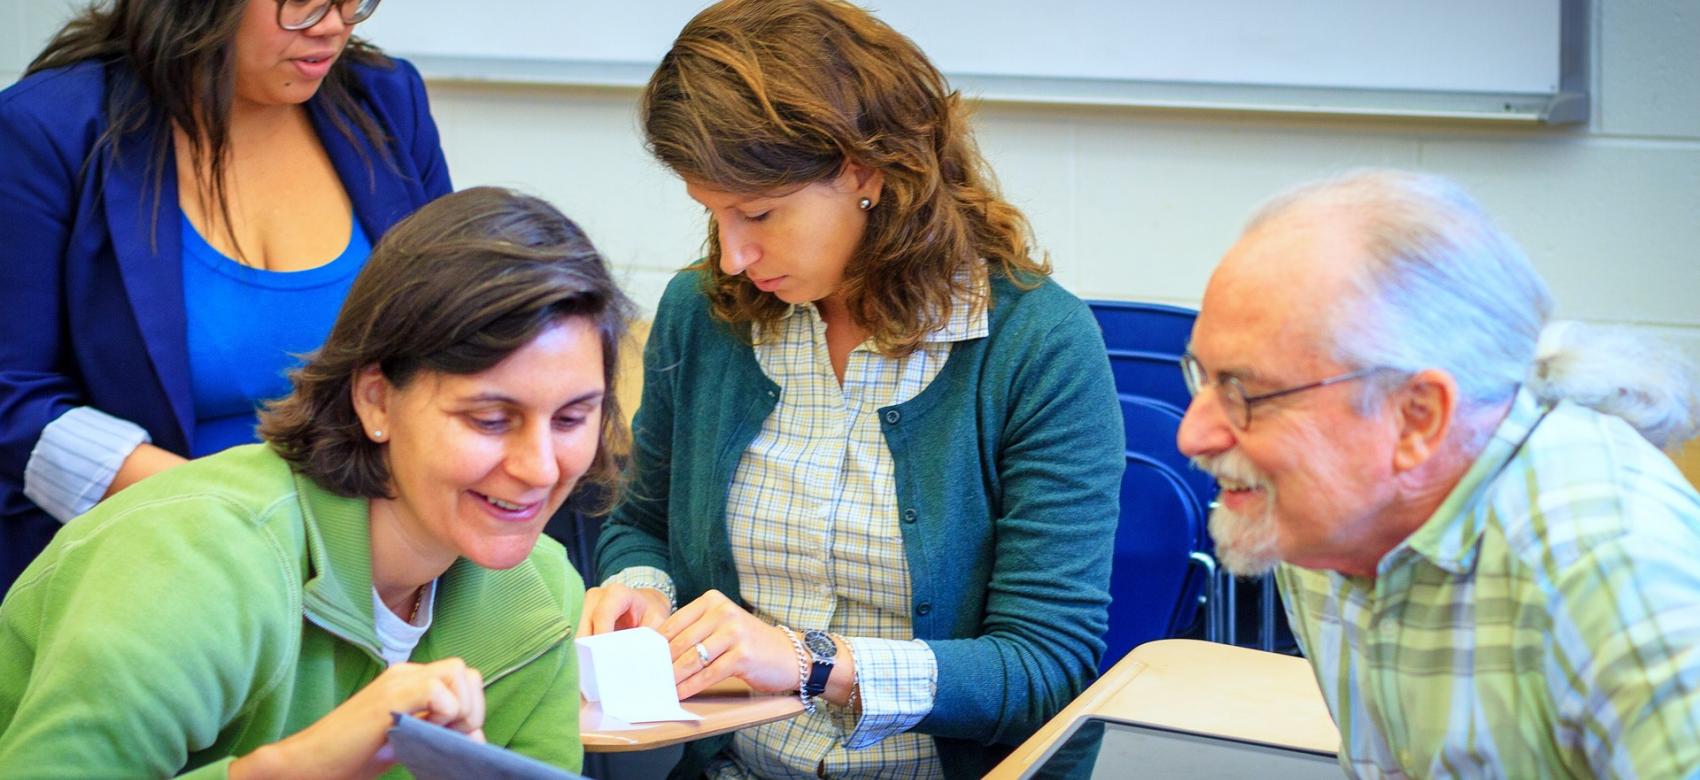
(802, 669)
(653, 583)
(855, 700)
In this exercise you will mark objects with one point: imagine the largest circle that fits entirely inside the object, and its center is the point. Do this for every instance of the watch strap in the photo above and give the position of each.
(820, 667)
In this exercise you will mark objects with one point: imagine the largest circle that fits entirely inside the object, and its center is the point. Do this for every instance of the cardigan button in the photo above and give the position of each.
(892, 416)
(923, 608)
(908, 515)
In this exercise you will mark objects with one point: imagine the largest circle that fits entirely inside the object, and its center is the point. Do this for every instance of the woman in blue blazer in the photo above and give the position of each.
(187, 189)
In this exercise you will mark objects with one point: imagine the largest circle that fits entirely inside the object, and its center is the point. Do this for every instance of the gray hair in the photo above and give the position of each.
(1443, 287)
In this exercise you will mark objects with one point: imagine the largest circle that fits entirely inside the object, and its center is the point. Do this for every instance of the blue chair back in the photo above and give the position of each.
(1152, 577)
(1147, 327)
(1150, 427)
(1154, 375)
(1154, 583)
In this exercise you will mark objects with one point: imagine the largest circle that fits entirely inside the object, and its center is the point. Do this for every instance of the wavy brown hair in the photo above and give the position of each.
(465, 282)
(180, 53)
(761, 96)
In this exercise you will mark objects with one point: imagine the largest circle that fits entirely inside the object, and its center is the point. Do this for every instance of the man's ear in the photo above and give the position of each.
(372, 396)
(1422, 415)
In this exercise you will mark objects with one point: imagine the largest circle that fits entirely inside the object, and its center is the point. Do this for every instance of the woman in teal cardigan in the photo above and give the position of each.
(261, 612)
(878, 453)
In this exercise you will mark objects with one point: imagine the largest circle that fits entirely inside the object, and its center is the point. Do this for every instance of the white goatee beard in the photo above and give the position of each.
(1245, 545)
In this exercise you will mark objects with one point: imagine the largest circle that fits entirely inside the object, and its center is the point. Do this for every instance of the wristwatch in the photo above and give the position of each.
(824, 650)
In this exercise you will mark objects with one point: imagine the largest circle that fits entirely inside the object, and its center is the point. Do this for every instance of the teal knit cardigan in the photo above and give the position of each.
(1008, 470)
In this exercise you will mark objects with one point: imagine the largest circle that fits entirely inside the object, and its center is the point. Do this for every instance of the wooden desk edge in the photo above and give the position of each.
(1088, 701)
(1158, 656)
(721, 713)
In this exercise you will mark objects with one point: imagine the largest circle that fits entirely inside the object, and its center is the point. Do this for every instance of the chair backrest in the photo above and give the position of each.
(1154, 375)
(1153, 584)
(1146, 327)
(1149, 427)
(1145, 342)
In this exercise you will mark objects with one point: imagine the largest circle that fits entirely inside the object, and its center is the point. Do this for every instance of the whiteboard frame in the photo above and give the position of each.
(1570, 104)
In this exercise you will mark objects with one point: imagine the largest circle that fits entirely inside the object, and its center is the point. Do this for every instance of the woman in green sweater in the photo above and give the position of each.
(878, 452)
(261, 612)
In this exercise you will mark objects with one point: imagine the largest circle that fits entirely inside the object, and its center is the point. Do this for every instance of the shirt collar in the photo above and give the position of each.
(1449, 538)
(969, 316)
(969, 313)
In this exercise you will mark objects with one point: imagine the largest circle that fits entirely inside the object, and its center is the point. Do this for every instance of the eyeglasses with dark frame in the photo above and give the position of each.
(1236, 403)
(303, 14)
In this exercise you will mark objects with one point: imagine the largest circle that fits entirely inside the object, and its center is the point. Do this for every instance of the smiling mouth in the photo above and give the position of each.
(1233, 486)
(506, 506)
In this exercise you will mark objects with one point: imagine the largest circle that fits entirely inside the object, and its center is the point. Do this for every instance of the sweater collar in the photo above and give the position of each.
(493, 620)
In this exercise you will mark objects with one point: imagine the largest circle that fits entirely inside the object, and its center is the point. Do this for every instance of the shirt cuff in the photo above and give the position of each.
(76, 459)
(899, 682)
(635, 577)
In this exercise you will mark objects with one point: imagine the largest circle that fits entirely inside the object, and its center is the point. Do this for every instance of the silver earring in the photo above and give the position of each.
(866, 204)
(377, 435)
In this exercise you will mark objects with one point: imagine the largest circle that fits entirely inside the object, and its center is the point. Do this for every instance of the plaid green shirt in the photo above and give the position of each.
(1545, 622)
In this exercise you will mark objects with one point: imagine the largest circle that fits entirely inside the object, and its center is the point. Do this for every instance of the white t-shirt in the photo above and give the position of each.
(397, 637)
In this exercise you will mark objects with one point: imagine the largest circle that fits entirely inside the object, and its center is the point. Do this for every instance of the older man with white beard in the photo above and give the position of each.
(1491, 566)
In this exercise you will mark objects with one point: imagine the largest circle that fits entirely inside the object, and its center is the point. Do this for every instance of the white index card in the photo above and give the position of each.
(631, 673)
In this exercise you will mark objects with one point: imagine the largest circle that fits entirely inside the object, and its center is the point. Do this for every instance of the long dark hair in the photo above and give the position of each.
(759, 95)
(180, 53)
(466, 281)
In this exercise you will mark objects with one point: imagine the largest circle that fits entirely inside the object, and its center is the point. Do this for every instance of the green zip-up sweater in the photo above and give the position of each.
(1008, 468)
(226, 604)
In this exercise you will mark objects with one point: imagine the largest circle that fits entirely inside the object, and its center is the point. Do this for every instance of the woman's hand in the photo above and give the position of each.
(143, 462)
(738, 645)
(351, 741)
(614, 606)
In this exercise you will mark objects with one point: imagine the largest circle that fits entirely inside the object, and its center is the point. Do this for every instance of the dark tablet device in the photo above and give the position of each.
(1098, 747)
(432, 752)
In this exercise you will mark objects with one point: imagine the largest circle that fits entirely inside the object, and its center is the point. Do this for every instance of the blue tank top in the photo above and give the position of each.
(247, 327)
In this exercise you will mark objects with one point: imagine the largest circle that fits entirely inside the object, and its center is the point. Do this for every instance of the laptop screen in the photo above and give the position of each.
(1097, 747)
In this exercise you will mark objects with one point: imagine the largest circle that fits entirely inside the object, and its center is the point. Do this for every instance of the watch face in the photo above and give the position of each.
(821, 645)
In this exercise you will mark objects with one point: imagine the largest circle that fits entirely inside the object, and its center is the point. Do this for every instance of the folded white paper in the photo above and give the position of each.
(630, 673)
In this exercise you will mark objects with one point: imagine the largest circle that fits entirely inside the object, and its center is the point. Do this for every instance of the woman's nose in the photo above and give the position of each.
(737, 253)
(531, 459)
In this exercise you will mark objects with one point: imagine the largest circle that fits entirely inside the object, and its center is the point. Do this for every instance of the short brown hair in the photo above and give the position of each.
(760, 95)
(465, 282)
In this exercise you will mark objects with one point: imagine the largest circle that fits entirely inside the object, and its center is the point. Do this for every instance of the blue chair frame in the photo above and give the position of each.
(1144, 343)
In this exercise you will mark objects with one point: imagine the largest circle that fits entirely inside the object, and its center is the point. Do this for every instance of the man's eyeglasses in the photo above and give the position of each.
(1236, 403)
(302, 14)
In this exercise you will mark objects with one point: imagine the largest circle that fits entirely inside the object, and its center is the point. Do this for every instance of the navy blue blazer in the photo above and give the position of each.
(91, 278)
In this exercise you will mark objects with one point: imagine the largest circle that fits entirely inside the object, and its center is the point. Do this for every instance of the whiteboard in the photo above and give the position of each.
(1511, 59)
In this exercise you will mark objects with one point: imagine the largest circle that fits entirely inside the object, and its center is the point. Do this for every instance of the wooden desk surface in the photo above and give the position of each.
(1202, 687)
(725, 707)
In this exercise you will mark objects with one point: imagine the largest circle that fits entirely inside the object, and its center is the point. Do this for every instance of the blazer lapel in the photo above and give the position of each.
(147, 241)
(380, 197)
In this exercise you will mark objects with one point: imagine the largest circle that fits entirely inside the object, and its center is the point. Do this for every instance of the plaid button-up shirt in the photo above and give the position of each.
(1544, 622)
